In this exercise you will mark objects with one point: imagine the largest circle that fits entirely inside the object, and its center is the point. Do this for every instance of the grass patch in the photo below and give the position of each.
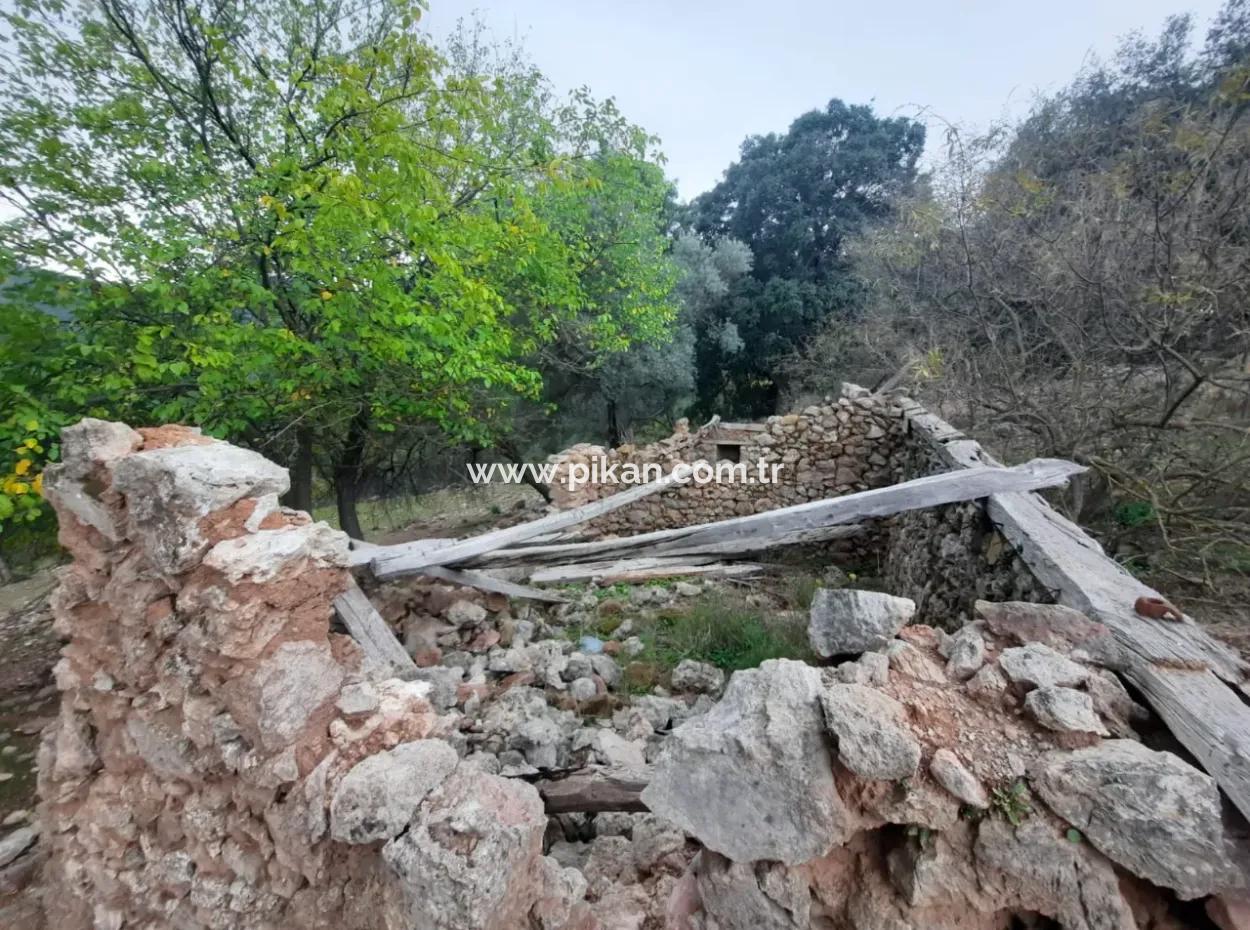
(720, 630)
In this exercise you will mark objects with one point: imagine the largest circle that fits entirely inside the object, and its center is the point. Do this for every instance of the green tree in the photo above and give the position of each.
(794, 198)
(300, 227)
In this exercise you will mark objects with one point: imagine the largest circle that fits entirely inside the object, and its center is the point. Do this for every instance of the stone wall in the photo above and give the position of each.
(947, 558)
(221, 758)
(844, 445)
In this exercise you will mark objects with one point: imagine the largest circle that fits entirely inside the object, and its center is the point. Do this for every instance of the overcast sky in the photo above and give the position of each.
(703, 74)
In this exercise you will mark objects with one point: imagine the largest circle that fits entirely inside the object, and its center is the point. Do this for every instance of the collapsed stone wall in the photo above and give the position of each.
(222, 759)
(849, 444)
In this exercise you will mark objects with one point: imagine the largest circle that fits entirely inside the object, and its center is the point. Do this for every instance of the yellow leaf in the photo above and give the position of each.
(22, 466)
(37, 485)
(326, 295)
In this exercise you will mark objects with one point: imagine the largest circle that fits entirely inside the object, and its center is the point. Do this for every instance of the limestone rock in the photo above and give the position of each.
(751, 896)
(872, 738)
(965, 653)
(1150, 812)
(378, 796)
(691, 675)
(168, 491)
(583, 689)
(294, 683)
(471, 856)
(1064, 710)
(91, 443)
(465, 613)
(267, 554)
(618, 752)
(843, 621)
(1039, 666)
(906, 659)
(752, 778)
(988, 685)
(1024, 622)
(1113, 703)
(951, 774)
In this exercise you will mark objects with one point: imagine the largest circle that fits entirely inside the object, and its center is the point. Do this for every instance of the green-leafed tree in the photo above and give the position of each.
(794, 198)
(299, 225)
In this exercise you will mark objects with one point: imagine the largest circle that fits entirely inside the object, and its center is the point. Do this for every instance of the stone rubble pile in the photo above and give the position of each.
(223, 758)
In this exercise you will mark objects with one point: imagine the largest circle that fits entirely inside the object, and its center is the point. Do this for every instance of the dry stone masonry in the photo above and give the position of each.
(224, 757)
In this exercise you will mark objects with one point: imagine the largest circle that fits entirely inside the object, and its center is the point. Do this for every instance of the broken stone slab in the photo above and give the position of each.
(1150, 812)
(1054, 625)
(266, 555)
(752, 778)
(1113, 703)
(1039, 666)
(845, 622)
(906, 659)
(376, 798)
(702, 677)
(871, 736)
(1064, 710)
(949, 772)
(751, 895)
(168, 491)
(294, 683)
(90, 443)
(471, 855)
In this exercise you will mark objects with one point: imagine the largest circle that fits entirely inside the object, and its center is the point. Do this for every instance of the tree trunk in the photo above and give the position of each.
(300, 495)
(348, 474)
(614, 427)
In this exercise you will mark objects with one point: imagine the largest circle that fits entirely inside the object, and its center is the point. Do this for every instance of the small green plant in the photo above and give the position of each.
(922, 835)
(1074, 835)
(1012, 802)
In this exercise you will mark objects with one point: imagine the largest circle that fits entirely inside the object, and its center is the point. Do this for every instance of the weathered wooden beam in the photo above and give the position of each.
(392, 565)
(662, 542)
(1193, 682)
(633, 571)
(594, 790)
(485, 582)
(382, 650)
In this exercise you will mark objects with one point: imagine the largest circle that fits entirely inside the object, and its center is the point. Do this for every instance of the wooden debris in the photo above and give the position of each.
(370, 631)
(593, 790)
(633, 571)
(485, 582)
(390, 564)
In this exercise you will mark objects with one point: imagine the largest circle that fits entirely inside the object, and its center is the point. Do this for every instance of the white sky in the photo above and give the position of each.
(703, 74)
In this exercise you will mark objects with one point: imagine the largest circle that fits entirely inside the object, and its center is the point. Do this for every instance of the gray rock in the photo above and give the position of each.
(1064, 710)
(357, 698)
(16, 843)
(169, 490)
(843, 622)
(583, 689)
(91, 443)
(1039, 666)
(606, 668)
(633, 646)
(951, 774)
(1034, 867)
(376, 799)
(965, 653)
(872, 738)
(615, 751)
(752, 778)
(988, 685)
(1150, 812)
(1113, 703)
(444, 683)
(690, 675)
(688, 589)
(465, 613)
(294, 683)
(751, 895)
(578, 666)
(471, 854)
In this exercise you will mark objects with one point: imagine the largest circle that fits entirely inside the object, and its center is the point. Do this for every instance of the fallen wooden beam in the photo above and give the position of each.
(484, 582)
(390, 564)
(382, 650)
(1189, 679)
(594, 790)
(632, 571)
(662, 542)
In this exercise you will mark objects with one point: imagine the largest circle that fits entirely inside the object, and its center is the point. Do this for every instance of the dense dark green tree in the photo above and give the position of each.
(794, 198)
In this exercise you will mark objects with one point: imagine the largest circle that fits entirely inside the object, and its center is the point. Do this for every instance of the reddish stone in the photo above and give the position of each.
(427, 658)
(920, 636)
(496, 602)
(517, 680)
(612, 647)
(172, 434)
(465, 690)
(484, 641)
